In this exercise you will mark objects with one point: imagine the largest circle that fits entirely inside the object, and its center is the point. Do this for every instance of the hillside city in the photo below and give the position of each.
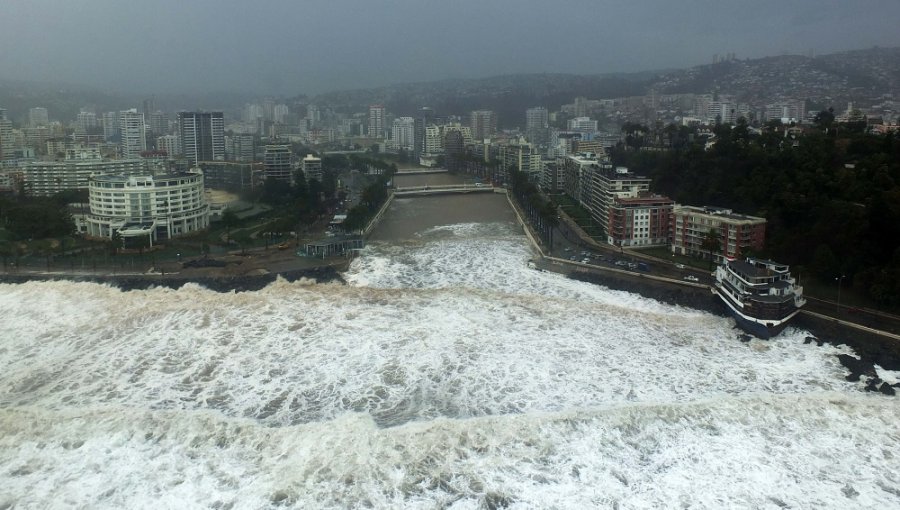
(143, 177)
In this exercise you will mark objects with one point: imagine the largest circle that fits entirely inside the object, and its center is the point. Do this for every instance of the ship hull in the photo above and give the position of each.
(756, 327)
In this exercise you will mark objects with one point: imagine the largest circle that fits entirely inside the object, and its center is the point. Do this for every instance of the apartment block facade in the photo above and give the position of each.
(737, 233)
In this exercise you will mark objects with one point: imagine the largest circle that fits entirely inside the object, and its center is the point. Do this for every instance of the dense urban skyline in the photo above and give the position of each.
(312, 47)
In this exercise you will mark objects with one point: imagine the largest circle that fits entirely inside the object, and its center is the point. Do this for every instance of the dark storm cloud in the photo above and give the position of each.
(288, 47)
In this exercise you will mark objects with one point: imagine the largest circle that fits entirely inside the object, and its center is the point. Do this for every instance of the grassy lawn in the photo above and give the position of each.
(581, 216)
(664, 253)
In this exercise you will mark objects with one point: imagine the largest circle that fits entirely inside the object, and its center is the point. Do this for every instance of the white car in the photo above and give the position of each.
(679, 266)
(692, 278)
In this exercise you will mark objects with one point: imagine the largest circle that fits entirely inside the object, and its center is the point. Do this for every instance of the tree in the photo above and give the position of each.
(229, 221)
(824, 263)
(39, 219)
(824, 119)
(276, 192)
(115, 242)
(712, 242)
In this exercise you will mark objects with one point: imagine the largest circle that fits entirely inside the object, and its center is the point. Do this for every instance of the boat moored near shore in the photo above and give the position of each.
(761, 295)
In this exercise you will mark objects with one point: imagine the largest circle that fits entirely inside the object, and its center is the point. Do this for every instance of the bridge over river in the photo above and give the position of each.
(444, 189)
(424, 171)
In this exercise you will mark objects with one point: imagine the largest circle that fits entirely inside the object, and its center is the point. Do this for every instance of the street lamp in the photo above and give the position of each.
(840, 280)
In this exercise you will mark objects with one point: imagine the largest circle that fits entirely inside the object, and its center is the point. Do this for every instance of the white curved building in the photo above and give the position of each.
(159, 207)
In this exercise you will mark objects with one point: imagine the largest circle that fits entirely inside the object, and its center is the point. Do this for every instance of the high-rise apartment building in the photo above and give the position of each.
(86, 121)
(483, 124)
(202, 136)
(608, 183)
(170, 144)
(110, 121)
(403, 134)
(312, 168)
(280, 113)
(159, 123)
(243, 148)
(582, 125)
(376, 121)
(148, 106)
(38, 117)
(424, 118)
(434, 140)
(133, 133)
(7, 139)
(278, 162)
(537, 122)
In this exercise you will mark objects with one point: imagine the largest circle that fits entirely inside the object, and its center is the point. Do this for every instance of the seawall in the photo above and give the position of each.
(871, 347)
(242, 283)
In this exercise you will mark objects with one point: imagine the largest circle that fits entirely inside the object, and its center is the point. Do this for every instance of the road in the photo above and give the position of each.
(567, 245)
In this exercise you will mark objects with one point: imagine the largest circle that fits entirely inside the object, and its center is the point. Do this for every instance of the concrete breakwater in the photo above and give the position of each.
(241, 283)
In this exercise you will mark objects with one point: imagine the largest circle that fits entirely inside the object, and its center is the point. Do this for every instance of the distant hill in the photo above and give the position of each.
(860, 75)
(64, 101)
(508, 95)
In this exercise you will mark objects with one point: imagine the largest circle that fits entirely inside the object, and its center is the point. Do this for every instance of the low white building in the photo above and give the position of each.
(154, 208)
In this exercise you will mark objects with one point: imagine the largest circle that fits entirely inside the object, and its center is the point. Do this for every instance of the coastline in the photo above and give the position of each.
(871, 348)
(216, 282)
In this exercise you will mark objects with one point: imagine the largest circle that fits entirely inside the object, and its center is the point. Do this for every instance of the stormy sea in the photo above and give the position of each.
(444, 374)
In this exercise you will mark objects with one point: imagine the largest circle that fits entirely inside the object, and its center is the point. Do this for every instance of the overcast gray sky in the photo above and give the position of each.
(290, 47)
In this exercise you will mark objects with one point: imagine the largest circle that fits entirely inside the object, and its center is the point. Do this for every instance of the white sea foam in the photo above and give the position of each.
(445, 374)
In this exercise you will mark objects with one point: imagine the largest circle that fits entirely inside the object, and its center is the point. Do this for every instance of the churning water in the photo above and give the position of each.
(445, 375)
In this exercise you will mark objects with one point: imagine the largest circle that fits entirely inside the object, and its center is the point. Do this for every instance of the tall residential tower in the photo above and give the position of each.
(376, 121)
(202, 136)
(133, 133)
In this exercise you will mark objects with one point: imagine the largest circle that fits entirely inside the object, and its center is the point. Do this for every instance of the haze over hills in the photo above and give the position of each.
(825, 79)
(838, 76)
(860, 76)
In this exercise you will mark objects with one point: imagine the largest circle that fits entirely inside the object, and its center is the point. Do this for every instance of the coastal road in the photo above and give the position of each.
(863, 316)
(567, 245)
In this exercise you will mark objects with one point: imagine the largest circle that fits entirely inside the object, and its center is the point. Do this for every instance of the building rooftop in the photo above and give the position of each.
(652, 199)
(721, 212)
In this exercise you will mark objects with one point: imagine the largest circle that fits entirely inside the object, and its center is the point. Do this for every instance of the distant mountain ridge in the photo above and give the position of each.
(506, 94)
(825, 80)
(850, 74)
(828, 79)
